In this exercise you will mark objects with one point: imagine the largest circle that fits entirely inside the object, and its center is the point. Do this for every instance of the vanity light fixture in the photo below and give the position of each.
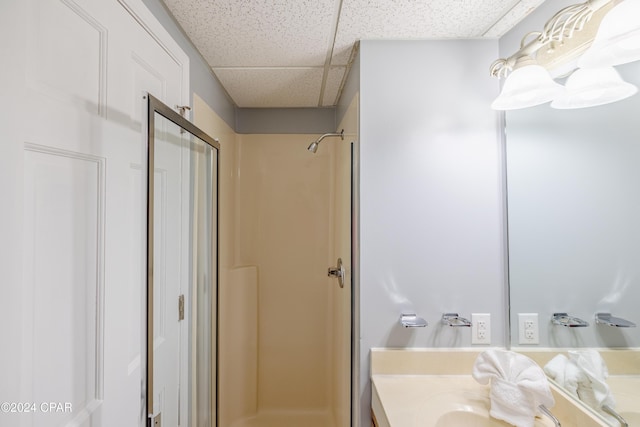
(618, 38)
(560, 48)
(529, 84)
(588, 87)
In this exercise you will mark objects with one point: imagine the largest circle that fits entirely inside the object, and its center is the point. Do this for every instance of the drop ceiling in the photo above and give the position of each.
(297, 53)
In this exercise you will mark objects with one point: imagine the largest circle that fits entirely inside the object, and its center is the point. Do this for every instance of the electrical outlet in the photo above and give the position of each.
(528, 332)
(480, 328)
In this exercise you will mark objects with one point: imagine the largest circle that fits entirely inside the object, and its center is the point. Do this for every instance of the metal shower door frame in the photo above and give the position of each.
(153, 106)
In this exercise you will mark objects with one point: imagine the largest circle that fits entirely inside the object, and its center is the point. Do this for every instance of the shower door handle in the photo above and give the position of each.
(337, 272)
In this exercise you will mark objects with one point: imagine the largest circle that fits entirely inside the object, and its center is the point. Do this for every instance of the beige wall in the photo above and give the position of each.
(207, 120)
(238, 287)
(284, 211)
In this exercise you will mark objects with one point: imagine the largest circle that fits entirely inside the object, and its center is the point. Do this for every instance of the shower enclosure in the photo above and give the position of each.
(182, 270)
(284, 324)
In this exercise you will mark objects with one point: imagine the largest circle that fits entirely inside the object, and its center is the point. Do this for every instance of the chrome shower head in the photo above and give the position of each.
(313, 147)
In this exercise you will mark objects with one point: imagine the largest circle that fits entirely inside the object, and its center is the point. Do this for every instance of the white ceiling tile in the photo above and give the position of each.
(271, 53)
(263, 33)
(272, 87)
(515, 15)
(332, 86)
(408, 19)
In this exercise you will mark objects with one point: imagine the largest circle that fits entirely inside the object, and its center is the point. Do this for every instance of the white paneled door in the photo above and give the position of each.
(72, 206)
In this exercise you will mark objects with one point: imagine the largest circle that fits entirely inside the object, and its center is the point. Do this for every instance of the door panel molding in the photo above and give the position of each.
(150, 24)
(81, 83)
(64, 273)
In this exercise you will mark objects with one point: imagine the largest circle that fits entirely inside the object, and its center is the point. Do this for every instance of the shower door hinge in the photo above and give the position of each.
(182, 109)
(181, 307)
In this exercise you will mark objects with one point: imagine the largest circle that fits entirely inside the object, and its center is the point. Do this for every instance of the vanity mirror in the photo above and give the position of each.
(573, 189)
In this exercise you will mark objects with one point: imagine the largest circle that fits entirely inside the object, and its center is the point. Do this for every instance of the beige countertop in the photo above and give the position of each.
(433, 400)
(432, 388)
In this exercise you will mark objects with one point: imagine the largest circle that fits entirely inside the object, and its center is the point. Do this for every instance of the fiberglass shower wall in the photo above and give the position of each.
(277, 347)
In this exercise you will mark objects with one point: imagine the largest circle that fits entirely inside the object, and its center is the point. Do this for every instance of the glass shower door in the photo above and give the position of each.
(182, 270)
(204, 160)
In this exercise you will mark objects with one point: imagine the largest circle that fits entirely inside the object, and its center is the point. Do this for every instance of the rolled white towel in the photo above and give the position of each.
(597, 392)
(556, 369)
(567, 374)
(518, 386)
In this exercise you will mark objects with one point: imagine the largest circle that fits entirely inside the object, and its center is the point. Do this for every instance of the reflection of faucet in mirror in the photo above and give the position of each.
(585, 375)
(609, 320)
(563, 319)
(573, 226)
(573, 209)
(609, 410)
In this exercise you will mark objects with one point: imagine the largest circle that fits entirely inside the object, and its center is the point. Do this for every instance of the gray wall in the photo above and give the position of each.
(202, 80)
(431, 230)
(242, 120)
(285, 120)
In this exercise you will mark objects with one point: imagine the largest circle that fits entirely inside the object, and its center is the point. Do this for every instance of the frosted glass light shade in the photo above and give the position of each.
(618, 38)
(525, 87)
(589, 87)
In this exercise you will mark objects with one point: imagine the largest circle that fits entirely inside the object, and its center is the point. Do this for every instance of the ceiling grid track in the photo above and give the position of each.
(484, 33)
(298, 53)
(327, 61)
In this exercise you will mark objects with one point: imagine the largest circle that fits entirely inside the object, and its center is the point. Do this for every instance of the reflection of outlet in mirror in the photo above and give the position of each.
(528, 332)
(480, 328)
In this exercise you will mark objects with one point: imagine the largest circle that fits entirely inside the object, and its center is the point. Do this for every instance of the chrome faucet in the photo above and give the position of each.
(452, 319)
(411, 320)
(609, 410)
(548, 413)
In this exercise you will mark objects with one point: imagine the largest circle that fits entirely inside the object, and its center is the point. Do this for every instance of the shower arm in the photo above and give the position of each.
(313, 147)
(341, 135)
